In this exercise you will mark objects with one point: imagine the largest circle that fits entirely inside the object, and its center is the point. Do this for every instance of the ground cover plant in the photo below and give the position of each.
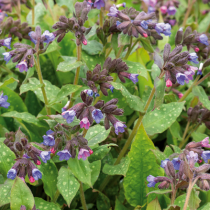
(104, 104)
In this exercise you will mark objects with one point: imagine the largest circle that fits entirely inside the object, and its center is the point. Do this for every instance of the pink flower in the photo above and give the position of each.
(32, 180)
(52, 150)
(180, 95)
(168, 83)
(83, 153)
(205, 142)
(84, 123)
(163, 9)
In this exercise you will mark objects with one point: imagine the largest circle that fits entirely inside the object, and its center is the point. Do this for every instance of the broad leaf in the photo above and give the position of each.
(162, 117)
(146, 44)
(155, 71)
(194, 200)
(203, 25)
(5, 190)
(154, 205)
(160, 191)
(160, 85)
(159, 155)
(93, 47)
(123, 39)
(103, 202)
(21, 195)
(26, 87)
(119, 205)
(45, 205)
(205, 207)
(7, 82)
(180, 201)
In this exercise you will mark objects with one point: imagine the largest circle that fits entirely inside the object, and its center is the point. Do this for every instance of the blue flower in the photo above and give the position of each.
(144, 24)
(171, 10)
(199, 72)
(97, 95)
(151, 9)
(49, 37)
(163, 28)
(97, 115)
(203, 39)
(176, 162)
(119, 127)
(22, 66)
(69, 116)
(45, 156)
(64, 155)
(164, 162)
(89, 92)
(36, 173)
(193, 58)
(181, 78)
(206, 156)
(32, 34)
(151, 180)
(7, 56)
(49, 139)
(3, 101)
(99, 3)
(111, 88)
(7, 42)
(134, 78)
(118, 23)
(11, 174)
(113, 11)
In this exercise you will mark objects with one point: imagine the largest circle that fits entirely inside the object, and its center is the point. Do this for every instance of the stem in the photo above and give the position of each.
(76, 78)
(129, 51)
(129, 48)
(82, 197)
(186, 130)
(173, 197)
(201, 80)
(189, 90)
(190, 5)
(110, 50)
(55, 198)
(133, 118)
(6, 69)
(188, 195)
(33, 12)
(50, 10)
(119, 52)
(38, 68)
(101, 18)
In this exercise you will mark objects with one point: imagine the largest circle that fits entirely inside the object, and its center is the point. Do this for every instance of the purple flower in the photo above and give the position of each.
(134, 78)
(36, 173)
(151, 9)
(189, 74)
(172, 22)
(171, 10)
(64, 155)
(113, 12)
(97, 115)
(206, 156)
(69, 116)
(49, 37)
(163, 28)
(45, 156)
(89, 92)
(31, 35)
(11, 174)
(7, 42)
(84, 123)
(164, 162)
(144, 24)
(151, 180)
(193, 58)
(49, 139)
(119, 127)
(3, 101)
(203, 39)
(22, 66)
(7, 56)
(99, 3)
(176, 162)
(205, 142)
(181, 78)
(118, 23)
(83, 153)
(192, 156)
(111, 88)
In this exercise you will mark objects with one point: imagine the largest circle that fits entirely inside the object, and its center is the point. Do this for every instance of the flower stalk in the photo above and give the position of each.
(33, 12)
(82, 197)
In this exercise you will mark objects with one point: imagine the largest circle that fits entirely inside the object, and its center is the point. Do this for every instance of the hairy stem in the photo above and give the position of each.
(189, 190)
(50, 10)
(33, 12)
(190, 6)
(119, 52)
(55, 198)
(39, 72)
(101, 18)
(82, 197)
(76, 78)
(186, 130)
(173, 194)
(201, 80)
(130, 50)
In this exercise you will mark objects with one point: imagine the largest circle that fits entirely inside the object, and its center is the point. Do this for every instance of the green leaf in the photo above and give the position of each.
(176, 130)
(21, 195)
(27, 117)
(44, 205)
(119, 205)
(154, 205)
(159, 156)
(7, 82)
(123, 39)
(168, 151)
(142, 164)
(51, 48)
(163, 42)
(180, 201)
(81, 169)
(155, 71)
(96, 135)
(203, 25)
(197, 136)
(170, 98)
(201, 94)
(69, 64)
(5, 190)
(146, 44)
(162, 117)
(137, 68)
(7, 158)
(26, 87)
(133, 101)
(93, 47)
(103, 202)
(160, 85)
(120, 169)
(49, 177)
(194, 200)
(60, 119)
(67, 185)
(205, 207)
(160, 191)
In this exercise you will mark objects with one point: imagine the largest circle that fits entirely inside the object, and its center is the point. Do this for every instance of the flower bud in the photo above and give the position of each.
(164, 185)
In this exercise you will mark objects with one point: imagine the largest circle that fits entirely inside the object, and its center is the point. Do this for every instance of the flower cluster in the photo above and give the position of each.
(74, 24)
(96, 3)
(3, 101)
(6, 5)
(6, 42)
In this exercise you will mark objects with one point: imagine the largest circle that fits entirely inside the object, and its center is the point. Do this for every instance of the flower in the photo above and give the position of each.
(180, 95)
(11, 174)
(49, 139)
(196, 49)
(111, 88)
(168, 83)
(83, 153)
(7, 42)
(3, 101)
(151, 180)
(97, 115)
(192, 156)
(172, 22)
(181, 78)
(163, 28)
(113, 12)
(38, 162)
(45, 156)
(193, 58)
(176, 162)
(144, 24)
(151, 9)
(7, 56)
(121, 5)
(64, 155)
(31, 36)
(31, 179)
(36, 173)
(99, 3)
(199, 72)
(134, 78)
(205, 142)
(171, 10)
(22, 66)
(69, 116)
(203, 39)
(97, 95)
(84, 123)
(164, 162)
(49, 37)
(163, 9)
(118, 23)
(119, 127)
(206, 156)
(89, 92)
